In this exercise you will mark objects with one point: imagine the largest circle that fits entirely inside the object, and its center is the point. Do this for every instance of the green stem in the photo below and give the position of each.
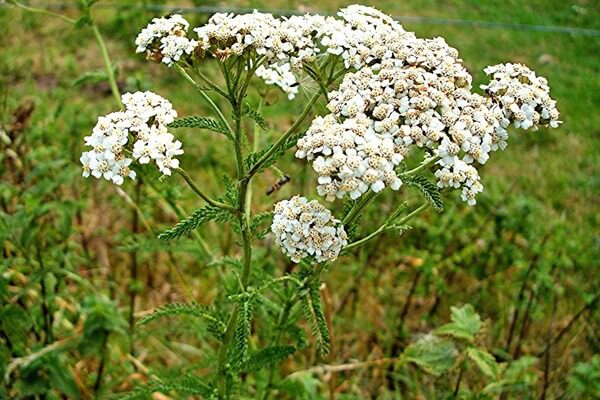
(385, 227)
(200, 193)
(206, 80)
(357, 207)
(244, 216)
(200, 90)
(425, 164)
(107, 64)
(261, 161)
(42, 11)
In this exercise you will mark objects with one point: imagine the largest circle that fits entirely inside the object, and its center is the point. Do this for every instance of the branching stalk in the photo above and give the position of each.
(201, 90)
(42, 11)
(199, 191)
(386, 226)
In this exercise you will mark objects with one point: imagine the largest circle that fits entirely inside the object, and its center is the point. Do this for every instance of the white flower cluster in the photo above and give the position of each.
(107, 158)
(378, 114)
(165, 39)
(351, 157)
(360, 36)
(280, 75)
(406, 92)
(144, 119)
(305, 228)
(277, 40)
(525, 97)
(363, 35)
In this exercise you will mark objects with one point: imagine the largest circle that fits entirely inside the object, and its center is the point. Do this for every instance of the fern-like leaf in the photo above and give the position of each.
(239, 351)
(187, 385)
(195, 121)
(257, 225)
(268, 356)
(428, 189)
(215, 325)
(198, 217)
(250, 112)
(313, 311)
(253, 158)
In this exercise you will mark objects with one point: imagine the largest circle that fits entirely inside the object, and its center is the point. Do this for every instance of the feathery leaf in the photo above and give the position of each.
(198, 217)
(239, 350)
(313, 311)
(268, 356)
(252, 113)
(428, 189)
(215, 325)
(195, 121)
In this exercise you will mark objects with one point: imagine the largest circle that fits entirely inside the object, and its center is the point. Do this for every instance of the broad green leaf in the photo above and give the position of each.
(465, 323)
(432, 354)
(485, 361)
(518, 376)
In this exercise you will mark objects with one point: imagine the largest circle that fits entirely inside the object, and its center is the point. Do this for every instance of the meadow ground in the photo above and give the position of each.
(526, 257)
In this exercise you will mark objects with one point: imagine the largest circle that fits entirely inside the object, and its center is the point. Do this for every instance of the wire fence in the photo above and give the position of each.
(287, 12)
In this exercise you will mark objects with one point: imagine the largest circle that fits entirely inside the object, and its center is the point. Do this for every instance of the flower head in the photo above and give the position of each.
(305, 228)
(139, 130)
(165, 39)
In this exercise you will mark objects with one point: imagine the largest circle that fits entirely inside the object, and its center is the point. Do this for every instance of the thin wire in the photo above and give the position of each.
(286, 12)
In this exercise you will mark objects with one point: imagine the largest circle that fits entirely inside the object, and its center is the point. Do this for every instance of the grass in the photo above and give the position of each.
(545, 185)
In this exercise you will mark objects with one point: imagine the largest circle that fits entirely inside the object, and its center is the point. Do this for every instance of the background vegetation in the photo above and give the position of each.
(74, 281)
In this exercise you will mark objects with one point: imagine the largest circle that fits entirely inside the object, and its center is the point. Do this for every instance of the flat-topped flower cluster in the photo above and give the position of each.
(138, 132)
(305, 228)
(406, 92)
(165, 39)
(399, 93)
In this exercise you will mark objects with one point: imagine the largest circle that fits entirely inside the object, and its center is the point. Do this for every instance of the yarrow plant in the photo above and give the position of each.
(401, 111)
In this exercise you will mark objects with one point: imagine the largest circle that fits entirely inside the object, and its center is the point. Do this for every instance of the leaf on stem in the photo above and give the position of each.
(257, 225)
(429, 190)
(253, 158)
(215, 325)
(195, 121)
(351, 228)
(465, 323)
(252, 113)
(239, 351)
(313, 311)
(266, 357)
(198, 217)
(432, 354)
(485, 361)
